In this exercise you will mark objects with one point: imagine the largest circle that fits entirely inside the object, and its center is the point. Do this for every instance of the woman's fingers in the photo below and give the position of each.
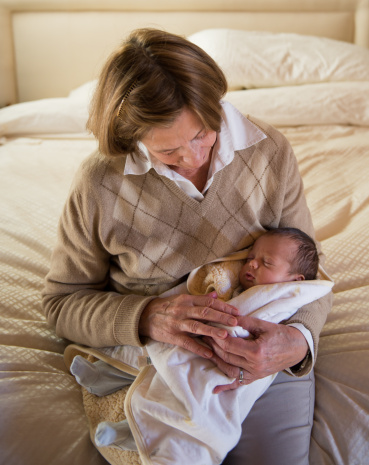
(232, 372)
(193, 345)
(230, 365)
(271, 348)
(177, 319)
(203, 308)
(227, 362)
(220, 305)
(190, 313)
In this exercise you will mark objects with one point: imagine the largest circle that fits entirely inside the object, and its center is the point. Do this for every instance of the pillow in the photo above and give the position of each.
(49, 116)
(262, 59)
(84, 92)
(308, 104)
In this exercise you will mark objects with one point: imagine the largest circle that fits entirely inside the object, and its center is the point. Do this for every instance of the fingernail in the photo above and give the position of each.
(208, 354)
(232, 321)
(222, 333)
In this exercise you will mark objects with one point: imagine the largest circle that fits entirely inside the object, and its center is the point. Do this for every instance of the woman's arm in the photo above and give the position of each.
(75, 297)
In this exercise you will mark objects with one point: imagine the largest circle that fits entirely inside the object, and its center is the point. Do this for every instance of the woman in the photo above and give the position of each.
(180, 179)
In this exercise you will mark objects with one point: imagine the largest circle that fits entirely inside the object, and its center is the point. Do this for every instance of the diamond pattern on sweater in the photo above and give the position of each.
(170, 234)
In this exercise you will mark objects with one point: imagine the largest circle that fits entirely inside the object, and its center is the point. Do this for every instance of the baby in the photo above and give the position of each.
(279, 255)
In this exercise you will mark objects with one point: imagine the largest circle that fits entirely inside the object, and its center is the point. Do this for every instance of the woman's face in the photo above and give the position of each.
(185, 146)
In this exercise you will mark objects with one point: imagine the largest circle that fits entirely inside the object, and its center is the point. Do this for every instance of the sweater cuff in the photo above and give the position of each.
(127, 319)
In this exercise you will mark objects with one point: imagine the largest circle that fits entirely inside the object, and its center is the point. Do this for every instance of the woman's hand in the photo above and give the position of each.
(176, 319)
(270, 348)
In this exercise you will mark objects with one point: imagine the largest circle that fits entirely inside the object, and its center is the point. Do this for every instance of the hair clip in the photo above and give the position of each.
(125, 96)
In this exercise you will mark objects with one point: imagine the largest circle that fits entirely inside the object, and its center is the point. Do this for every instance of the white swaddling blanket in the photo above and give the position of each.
(175, 411)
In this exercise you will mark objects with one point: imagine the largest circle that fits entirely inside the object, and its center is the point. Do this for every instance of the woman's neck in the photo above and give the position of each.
(198, 177)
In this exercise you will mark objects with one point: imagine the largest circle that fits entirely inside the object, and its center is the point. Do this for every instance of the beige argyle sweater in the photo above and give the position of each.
(124, 239)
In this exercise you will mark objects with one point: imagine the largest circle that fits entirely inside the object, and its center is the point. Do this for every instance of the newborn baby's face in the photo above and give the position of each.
(268, 262)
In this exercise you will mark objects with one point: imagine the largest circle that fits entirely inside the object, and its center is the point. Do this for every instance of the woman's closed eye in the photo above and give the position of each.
(168, 152)
(202, 135)
(198, 137)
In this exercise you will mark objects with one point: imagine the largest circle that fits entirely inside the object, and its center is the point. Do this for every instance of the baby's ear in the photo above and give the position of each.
(299, 277)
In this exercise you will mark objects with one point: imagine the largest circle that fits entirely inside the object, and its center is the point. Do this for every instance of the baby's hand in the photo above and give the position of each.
(228, 387)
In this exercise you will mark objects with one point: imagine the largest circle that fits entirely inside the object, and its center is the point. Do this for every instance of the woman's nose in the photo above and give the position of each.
(192, 153)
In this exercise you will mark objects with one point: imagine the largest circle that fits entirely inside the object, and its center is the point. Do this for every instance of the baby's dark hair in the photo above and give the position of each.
(306, 261)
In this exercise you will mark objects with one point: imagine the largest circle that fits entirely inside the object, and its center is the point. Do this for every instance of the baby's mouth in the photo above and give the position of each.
(249, 276)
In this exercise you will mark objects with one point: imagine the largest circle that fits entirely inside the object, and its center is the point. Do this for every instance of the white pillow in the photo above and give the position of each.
(49, 116)
(309, 104)
(262, 59)
(84, 92)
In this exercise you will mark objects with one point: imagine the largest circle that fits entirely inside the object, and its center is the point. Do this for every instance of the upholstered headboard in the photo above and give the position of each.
(48, 47)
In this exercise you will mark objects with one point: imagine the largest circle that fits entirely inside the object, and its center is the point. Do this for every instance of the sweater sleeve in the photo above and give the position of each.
(296, 214)
(75, 296)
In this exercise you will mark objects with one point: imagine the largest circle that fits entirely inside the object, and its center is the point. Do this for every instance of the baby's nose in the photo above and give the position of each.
(254, 263)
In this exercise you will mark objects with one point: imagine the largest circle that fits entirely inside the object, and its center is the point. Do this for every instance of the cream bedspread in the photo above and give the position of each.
(43, 420)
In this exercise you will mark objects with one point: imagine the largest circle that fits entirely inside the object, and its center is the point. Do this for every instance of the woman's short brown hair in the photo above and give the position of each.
(165, 73)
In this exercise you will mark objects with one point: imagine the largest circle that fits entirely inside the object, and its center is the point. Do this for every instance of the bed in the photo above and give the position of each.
(301, 66)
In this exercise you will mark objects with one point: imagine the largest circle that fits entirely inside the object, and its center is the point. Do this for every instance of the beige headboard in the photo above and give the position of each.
(49, 47)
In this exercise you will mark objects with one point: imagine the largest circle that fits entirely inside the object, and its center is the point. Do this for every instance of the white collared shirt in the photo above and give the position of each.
(236, 133)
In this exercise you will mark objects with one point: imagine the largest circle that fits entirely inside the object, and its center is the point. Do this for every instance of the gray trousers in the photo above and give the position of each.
(278, 428)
